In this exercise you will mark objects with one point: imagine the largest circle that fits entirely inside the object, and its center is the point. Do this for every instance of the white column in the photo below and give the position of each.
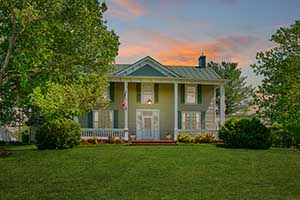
(222, 105)
(126, 110)
(175, 109)
(215, 109)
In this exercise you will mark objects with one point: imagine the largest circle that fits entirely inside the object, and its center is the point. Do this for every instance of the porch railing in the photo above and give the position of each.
(102, 133)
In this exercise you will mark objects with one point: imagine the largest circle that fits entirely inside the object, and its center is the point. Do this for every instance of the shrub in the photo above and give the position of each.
(58, 134)
(83, 141)
(111, 139)
(204, 138)
(199, 138)
(25, 135)
(119, 141)
(93, 140)
(245, 133)
(280, 136)
(184, 138)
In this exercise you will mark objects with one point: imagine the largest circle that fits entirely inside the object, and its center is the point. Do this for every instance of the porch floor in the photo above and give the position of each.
(152, 142)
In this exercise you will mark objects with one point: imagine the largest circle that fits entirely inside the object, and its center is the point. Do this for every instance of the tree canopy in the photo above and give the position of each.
(45, 43)
(237, 92)
(278, 96)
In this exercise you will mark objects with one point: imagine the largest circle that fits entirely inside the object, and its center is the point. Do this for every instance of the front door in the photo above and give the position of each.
(147, 124)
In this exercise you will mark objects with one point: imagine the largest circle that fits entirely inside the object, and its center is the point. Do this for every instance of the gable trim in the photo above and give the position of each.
(144, 61)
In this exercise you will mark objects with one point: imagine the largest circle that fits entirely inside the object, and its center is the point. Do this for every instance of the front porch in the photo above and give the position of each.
(168, 135)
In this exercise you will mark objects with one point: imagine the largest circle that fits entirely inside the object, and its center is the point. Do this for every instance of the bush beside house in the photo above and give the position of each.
(58, 134)
(245, 133)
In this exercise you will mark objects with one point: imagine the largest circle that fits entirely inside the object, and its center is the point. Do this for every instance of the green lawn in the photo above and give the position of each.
(165, 172)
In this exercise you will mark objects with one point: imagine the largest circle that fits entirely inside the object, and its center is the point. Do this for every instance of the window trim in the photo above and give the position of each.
(142, 92)
(102, 117)
(196, 95)
(190, 124)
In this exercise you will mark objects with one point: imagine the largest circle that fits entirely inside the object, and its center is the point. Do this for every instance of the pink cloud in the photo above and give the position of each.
(185, 51)
(126, 9)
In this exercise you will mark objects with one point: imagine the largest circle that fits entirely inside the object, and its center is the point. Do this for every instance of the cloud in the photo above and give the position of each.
(185, 51)
(125, 9)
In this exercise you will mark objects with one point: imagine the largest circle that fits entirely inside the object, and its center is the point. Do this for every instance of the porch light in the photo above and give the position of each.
(149, 102)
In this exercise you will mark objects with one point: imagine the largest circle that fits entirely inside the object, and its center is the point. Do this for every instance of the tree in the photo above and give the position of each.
(278, 96)
(58, 41)
(71, 100)
(237, 93)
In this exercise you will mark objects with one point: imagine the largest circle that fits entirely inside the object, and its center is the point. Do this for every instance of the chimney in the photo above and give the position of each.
(202, 61)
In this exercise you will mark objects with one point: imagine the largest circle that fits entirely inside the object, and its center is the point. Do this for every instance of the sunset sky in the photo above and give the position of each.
(176, 32)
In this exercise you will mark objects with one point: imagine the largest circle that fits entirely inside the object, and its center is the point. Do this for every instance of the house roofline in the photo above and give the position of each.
(138, 79)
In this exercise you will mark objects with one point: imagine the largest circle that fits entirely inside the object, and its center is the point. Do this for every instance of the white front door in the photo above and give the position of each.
(147, 124)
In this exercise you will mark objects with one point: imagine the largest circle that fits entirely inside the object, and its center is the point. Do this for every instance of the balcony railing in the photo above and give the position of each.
(102, 133)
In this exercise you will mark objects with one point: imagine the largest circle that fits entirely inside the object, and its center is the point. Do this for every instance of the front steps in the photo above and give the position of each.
(152, 142)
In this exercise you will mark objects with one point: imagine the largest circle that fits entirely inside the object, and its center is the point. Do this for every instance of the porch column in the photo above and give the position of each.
(126, 110)
(175, 109)
(222, 105)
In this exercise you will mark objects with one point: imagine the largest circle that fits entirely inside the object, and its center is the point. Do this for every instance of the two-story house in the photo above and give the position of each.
(152, 101)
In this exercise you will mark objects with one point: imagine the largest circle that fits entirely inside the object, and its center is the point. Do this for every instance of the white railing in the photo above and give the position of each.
(194, 132)
(102, 133)
(6, 135)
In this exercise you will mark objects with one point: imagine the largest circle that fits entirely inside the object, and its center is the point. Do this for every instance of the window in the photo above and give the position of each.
(105, 93)
(190, 94)
(103, 118)
(147, 95)
(190, 120)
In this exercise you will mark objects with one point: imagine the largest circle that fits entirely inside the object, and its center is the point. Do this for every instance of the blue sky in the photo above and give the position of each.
(176, 32)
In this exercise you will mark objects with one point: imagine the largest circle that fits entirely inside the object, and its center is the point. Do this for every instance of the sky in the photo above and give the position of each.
(177, 32)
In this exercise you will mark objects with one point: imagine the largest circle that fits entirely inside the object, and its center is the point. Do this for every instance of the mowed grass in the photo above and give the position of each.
(156, 172)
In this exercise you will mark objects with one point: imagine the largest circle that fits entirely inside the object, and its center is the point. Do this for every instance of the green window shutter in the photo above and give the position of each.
(156, 93)
(90, 120)
(199, 93)
(138, 92)
(116, 119)
(182, 89)
(203, 120)
(112, 91)
(179, 120)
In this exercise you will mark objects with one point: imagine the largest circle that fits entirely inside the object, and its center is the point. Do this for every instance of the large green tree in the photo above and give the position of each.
(59, 41)
(237, 92)
(278, 96)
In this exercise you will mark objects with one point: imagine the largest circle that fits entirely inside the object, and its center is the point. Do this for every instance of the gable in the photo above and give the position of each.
(147, 70)
(146, 67)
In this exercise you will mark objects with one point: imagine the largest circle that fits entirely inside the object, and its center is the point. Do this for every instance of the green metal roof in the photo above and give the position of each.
(184, 72)
(194, 72)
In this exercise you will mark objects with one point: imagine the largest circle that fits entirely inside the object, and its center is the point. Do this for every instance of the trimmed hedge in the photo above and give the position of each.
(245, 133)
(199, 138)
(58, 134)
(184, 138)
